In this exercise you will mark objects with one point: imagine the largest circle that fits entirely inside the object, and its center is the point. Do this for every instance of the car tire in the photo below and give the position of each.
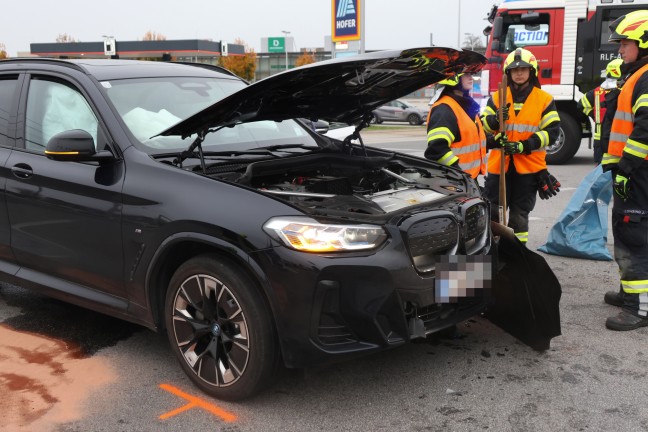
(220, 329)
(414, 120)
(376, 119)
(568, 142)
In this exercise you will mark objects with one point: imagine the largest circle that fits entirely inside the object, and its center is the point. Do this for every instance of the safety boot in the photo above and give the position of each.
(626, 321)
(614, 298)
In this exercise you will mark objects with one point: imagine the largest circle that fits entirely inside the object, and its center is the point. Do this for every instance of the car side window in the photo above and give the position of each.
(54, 107)
(8, 87)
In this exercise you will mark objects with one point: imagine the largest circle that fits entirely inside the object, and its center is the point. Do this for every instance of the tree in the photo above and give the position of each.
(65, 38)
(3, 51)
(243, 66)
(305, 58)
(153, 36)
(473, 41)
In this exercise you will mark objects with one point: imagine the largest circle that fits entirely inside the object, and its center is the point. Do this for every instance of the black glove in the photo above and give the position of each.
(621, 185)
(495, 141)
(554, 183)
(546, 182)
(515, 147)
(504, 110)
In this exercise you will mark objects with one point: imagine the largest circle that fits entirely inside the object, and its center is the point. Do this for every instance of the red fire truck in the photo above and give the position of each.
(570, 40)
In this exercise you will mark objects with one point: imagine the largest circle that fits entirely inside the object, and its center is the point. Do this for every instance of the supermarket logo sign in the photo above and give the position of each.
(346, 20)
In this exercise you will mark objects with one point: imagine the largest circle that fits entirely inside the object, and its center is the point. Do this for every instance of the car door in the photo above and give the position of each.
(9, 85)
(65, 217)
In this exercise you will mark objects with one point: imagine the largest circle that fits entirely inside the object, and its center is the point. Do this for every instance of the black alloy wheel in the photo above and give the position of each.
(219, 328)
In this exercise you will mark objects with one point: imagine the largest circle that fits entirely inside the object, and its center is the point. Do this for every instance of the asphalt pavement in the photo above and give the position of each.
(95, 373)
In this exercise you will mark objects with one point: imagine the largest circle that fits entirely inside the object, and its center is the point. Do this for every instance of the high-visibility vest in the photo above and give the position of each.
(471, 149)
(519, 127)
(623, 122)
(599, 112)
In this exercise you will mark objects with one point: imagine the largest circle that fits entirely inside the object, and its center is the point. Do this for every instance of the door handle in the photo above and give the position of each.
(22, 171)
(546, 73)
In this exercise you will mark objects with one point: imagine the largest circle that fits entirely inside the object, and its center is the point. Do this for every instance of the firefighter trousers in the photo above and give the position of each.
(631, 254)
(521, 192)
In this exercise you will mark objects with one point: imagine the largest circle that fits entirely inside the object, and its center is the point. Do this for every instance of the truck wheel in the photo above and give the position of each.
(220, 329)
(568, 142)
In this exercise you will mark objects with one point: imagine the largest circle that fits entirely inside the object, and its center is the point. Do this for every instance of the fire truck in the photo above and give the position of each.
(570, 41)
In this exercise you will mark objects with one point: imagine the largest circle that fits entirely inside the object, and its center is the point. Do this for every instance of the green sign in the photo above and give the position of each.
(276, 44)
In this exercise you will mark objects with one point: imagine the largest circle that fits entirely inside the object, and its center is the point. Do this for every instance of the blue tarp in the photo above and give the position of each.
(581, 229)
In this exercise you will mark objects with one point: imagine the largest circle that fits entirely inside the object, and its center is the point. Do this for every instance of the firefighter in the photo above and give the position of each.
(627, 158)
(455, 136)
(600, 104)
(533, 124)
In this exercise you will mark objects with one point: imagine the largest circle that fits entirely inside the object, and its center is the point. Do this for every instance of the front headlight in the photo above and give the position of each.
(310, 236)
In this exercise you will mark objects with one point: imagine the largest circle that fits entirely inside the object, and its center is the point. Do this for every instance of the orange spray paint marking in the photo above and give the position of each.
(195, 402)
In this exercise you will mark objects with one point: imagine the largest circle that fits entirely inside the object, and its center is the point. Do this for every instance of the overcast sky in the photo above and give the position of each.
(389, 24)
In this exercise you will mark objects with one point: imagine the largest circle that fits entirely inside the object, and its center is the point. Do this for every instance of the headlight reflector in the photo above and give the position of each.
(310, 236)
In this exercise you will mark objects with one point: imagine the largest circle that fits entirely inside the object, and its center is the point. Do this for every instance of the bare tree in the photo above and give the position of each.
(472, 41)
(65, 38)
(153, 36)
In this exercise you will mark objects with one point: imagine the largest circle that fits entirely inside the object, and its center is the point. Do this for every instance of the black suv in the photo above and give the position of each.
(181, 198)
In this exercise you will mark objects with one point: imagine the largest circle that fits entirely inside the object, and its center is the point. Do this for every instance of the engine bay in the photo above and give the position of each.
(371, 185)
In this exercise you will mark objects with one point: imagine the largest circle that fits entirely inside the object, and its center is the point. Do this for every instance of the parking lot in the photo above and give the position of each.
(63, 368)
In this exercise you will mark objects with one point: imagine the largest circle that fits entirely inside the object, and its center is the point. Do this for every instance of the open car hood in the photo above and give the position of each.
(338, 90)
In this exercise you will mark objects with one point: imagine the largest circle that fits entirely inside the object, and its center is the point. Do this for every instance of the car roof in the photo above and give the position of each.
(110, 69)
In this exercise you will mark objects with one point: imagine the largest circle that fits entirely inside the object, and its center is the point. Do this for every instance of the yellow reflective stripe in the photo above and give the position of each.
(522, 236)
(488, 111)
(550, 117)
(587, 107)
(487, 127)
(441, 133)
(518, 106)
(635, 287)
(610, 159)
(636, 148)
(448, 158)
(642, 101)
(597, 131)
(544, 138)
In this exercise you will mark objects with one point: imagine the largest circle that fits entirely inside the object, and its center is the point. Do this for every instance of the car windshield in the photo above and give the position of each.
(149, 106)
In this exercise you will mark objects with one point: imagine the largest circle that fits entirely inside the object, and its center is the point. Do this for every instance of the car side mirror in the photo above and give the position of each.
(74, 145)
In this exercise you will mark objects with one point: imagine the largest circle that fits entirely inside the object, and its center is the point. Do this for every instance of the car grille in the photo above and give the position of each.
(475, 223)
(431, 237)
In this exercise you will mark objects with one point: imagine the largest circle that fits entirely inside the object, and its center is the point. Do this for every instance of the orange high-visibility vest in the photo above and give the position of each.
(471, 149)
(519, 127)
(623, 118)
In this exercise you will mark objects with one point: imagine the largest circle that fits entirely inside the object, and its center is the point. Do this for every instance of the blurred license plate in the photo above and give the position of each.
(460, 276)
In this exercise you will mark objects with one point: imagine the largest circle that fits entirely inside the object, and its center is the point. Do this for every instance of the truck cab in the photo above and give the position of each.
(570, 41)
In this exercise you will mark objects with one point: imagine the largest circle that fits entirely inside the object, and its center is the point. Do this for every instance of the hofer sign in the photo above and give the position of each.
(346, 20)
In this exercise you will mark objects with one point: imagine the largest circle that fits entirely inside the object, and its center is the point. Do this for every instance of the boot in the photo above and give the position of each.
(614, 298)
(626, 321)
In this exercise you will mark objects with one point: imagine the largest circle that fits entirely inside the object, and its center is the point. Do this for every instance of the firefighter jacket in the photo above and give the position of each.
(454, 137)
(628, 146)
(534, 120)
(596, 103)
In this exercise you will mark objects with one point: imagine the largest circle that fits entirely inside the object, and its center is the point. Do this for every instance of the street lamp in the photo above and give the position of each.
(286, 33)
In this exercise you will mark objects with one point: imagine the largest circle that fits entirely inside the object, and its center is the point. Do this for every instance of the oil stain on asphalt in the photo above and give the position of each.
(47, 371)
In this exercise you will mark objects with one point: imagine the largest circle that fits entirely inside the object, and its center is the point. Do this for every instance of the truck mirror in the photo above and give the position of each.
(497, 27)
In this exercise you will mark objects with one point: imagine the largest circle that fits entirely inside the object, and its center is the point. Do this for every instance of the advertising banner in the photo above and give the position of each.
(346, 20)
